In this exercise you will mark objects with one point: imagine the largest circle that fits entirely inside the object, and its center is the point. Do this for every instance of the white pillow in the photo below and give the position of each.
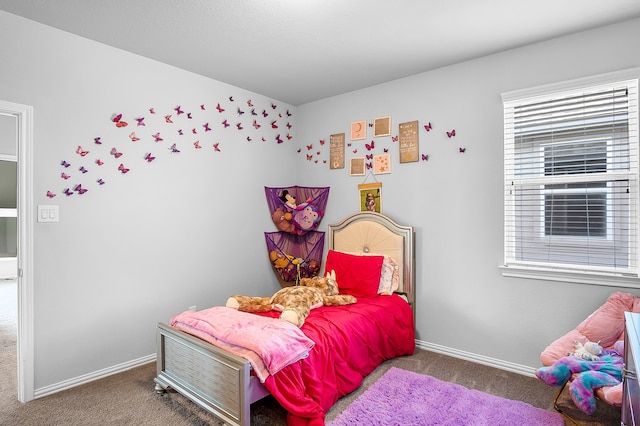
(389, 274)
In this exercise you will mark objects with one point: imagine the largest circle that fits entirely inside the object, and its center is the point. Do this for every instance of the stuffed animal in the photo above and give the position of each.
(283, 220)
(296, 302)
(590, 351)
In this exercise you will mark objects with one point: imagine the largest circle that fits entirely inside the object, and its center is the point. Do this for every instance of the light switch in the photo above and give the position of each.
(48, 213)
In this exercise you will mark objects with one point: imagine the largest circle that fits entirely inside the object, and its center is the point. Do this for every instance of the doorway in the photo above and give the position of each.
(16, 141)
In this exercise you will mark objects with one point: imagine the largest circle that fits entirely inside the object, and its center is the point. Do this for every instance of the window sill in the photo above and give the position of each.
(587, 277)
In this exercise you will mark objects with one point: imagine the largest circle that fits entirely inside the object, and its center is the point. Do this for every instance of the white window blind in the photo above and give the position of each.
(571, 179)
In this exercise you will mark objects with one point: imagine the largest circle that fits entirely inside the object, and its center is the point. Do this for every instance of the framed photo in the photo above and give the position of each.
(381, 164)
(382, 126)
(408, 144)
(357, 168)
(358, 130)
(370, 197)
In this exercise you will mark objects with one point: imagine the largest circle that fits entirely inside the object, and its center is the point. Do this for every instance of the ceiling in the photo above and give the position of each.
(298, 51)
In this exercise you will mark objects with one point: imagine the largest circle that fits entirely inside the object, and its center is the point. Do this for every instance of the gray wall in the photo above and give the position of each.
(188, 230)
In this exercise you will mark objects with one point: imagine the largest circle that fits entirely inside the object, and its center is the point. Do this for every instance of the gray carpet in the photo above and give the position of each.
(129, 398)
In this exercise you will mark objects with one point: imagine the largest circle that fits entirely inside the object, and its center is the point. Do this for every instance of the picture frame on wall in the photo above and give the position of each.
(357, 166)
(370, 197)
(382, 126)
(381, 164)
(336, 151)
(358, 130)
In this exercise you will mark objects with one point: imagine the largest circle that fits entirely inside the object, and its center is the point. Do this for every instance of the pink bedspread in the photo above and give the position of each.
(350, 342)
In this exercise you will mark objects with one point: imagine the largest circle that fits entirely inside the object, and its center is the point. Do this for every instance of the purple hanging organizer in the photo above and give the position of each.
(295, 256)
(297, 209)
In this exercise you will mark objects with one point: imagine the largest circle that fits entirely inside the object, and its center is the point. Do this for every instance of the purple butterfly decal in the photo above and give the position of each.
(369, 156)
(206, 127)
(68, 192)
(157, 137)
(462, 150)
(97, 140)
(64, 176)
(428, 127)
(140, 121)
(369, 165)
(240, 112)
(64, 164)
(173, 148)
(425, 157)
(123, 169)
(178, 110)
(79, 189)
(100, 181)
(50, 194)
(83, 170)
(225, 124)
(149, 158)
(279, 139)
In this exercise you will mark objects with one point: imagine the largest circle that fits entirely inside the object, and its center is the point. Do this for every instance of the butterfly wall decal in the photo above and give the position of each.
(216, 147)
(265, 114)
(240, 112)
(253, 112)
(369, 156)
(206, 127)
(64, 176)
(428, 127)
(79, 189)
(249, 103)
(178, 110)
(256, 125)
(133, 137)
(152, 111)
(219, 108)
(451, 133)
(289, 125)
(68, 192)
(83, 170)
(273, 106)
(98, 140)
(369, 165)
(394, 138)
(231, 98)
(149, 157)
(462, 150)
(117, 118)
(173, 148)
(99, 162)
(189, 116)
(157, 137)
(289, 137)
(81, 152)
(50, 194)
(309, 157)
(194, 131)
(225, 123)
(180, 132)
(369, 147)
(274, 124)
(100, 181)
(279, 139)
(123, 169)
(167, 119)
(425, 157)
(196, 145)
(321, 141)
(202, 107)
(64, 164)
(140, 121)
(239, 126)
(115, 153)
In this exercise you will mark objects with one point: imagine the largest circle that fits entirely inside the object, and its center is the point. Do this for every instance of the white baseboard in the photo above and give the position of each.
(480, 359)
(100, 374)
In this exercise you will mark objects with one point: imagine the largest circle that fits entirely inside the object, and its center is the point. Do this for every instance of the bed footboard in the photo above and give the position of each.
(218, 381)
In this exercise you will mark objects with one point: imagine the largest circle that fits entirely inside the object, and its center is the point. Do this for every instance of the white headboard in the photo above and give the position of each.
(370, 232)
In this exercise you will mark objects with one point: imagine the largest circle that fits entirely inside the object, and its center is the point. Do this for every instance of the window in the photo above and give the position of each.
(571, 177)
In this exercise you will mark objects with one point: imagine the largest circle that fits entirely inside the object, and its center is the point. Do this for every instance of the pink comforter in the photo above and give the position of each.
(350, 342)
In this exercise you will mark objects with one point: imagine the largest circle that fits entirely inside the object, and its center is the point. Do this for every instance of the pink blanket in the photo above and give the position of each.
(269, 344)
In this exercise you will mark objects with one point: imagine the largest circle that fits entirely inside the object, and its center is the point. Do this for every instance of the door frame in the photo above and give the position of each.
(25, 337)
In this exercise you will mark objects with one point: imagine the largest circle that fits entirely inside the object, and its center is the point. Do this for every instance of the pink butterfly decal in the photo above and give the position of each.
(369, 165)
(64, 163)
(274, 125)
(79, 189)
(225, 124)
(273, 106)
(428, 127)
(299, 151)
(173, 148)
(279, 139)
(152, 111)
(123, 169)
(97, 140)
(180, 132)
(189, 115)
(194, 131)
(348, 143)
(249, 139)
(99, 162)
(81, 152)
(140, 121)
(133, 137)
(249, 103)
(425, 157)
(370, 124)
(309, 157)
(462, 150)
(115, 153)
(369, 147)
(100, 181)
(369, 156)
(386, 150)
(394, 138)
(239, 126)
(196, 145)
(321, 141)
(289, 137)
(202, 107)
(219, 108)
(451, 133)
(157, 137)
(256, 125)
(68, 192)
(118, 120)
(83, 170)
(50, 194)
(64, 176)
(253, 111)
(167, 119)
(355, 151)
(216, 147)
(149, 157)
(263, 139)
(240, 112)
(309, 147)
(178, 110)
(206, 127)
(289, 126)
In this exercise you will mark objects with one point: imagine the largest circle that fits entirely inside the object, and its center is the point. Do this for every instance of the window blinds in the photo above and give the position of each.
(571, 179)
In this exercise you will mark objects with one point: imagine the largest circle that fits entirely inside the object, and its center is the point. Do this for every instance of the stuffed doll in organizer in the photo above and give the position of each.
(591, 367)
(295, 302)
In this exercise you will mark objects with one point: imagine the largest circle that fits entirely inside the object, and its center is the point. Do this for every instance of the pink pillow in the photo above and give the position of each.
(358, 276)
(606, 324)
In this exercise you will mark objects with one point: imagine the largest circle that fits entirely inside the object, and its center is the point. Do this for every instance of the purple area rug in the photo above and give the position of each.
(405, 398)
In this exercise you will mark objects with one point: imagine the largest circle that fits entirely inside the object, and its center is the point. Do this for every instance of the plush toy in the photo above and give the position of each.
(283, 220)
(590, 376)
(296, 302)
(288, 199)
(306, 217)
(590, 351)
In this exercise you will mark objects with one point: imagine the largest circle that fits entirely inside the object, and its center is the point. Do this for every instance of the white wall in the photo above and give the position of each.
(455, 201)
(189, 229)
(186, 229)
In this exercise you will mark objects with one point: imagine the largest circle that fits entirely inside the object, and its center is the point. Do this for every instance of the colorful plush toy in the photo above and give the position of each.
(590, 351)
(296, 302)
(283, 220)
(589, 376)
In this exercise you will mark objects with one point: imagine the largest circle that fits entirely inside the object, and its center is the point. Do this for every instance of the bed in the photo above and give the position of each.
(345, 350)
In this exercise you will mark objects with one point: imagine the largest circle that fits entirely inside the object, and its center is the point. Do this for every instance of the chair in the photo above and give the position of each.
(606, 326)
